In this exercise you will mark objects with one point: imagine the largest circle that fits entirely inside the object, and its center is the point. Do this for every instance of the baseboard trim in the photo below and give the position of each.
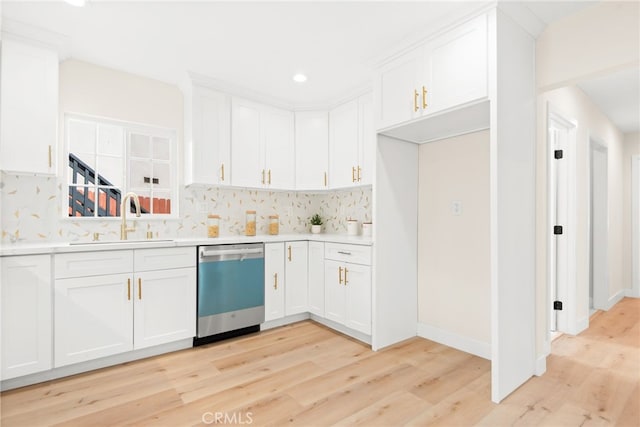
(342, 329)
(459, 342)
(582, 325)
(632, 293)
(615, 299)
(541, 365)
(284, 321)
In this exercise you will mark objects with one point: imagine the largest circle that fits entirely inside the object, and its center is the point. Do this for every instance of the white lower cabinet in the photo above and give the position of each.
(26, 315)
(273, 281)
(138, 306)
(316, 278)
(296, 289)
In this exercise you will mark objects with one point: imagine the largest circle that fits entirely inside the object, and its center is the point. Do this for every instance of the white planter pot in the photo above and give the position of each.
(315, 229)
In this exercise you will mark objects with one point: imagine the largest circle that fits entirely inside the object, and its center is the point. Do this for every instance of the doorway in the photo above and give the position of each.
(599, 226)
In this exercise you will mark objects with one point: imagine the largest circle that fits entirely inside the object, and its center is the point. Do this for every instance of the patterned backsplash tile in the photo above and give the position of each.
(31, 211)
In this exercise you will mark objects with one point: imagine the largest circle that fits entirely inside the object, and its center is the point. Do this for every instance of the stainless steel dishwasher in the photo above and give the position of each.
(230, 291)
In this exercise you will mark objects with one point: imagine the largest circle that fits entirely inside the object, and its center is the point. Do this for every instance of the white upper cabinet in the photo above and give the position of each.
(262, 150)
(312, 150)
(207, 136)
(28, 108)
(445, 72)
(351, 143)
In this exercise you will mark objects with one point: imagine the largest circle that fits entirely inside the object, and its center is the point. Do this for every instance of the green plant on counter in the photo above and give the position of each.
(316, 220)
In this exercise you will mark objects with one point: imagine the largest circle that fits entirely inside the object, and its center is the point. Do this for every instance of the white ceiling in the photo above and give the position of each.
(258, 46)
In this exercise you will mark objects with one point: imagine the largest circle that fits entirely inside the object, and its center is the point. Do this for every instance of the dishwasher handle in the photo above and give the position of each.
(236, 253)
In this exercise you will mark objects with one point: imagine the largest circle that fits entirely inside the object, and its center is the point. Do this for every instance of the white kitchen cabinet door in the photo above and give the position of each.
(273, 281)
(93, 317)
(357, 285)
(207, 137)
(316, 278)
(312, 150)
(398, 89)
(296, 282)
(335, 307)
(246, 158)
(28, 108)
(26, 315)
(165, 306)
(366, 140)
(343, 145)
(457, 64)
(279, 148)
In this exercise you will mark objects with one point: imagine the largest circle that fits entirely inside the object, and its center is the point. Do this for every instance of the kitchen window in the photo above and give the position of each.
(108, 158)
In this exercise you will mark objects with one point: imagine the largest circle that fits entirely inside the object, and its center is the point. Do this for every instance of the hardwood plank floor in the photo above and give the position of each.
(305, 374)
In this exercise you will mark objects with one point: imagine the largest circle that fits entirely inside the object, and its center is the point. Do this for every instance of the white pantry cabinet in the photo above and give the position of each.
(273, 281)
(147, 298)
(296, 282)
(207, 136)
(351, 143)
(26, 315)
(312, 150)
(445, 72)
(263, 148)
(348, 286)
(28, 108)
(316, 278)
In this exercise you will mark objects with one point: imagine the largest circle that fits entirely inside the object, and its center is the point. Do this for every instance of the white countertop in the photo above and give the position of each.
(64, 247)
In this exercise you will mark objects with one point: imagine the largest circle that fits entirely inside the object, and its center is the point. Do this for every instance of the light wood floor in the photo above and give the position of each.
(305, 374)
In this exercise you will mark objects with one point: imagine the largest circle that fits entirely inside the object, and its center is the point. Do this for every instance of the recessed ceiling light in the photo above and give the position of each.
(299, 78)
(77, 3)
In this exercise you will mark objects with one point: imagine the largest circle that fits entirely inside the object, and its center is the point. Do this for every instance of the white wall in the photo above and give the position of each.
(631, 148)
(453, 251)
(599, 39)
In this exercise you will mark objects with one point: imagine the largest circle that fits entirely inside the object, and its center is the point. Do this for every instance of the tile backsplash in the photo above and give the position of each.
(31, 211)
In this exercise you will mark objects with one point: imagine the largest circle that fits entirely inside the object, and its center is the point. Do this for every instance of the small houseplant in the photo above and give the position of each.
(316, 224)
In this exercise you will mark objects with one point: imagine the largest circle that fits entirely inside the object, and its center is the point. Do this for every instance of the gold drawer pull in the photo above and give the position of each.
(415, 100)
(128, 289)
(139, 288)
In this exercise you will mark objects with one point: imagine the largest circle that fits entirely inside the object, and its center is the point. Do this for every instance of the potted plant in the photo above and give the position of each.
(316, 224)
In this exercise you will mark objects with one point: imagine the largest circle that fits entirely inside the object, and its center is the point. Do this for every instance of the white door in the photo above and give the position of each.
(398, 89)
(312, 150)
(279, 148)
(357, 284)
(211, 145)
(343, 145)
(273, 281)
(599, 284)
(316, 278)
(367, 140)
(93, 317)
(335, 306)
(457, 65)
(28, 108)
(246, 161)
(296, 284)
(165, 306)
(26, 315)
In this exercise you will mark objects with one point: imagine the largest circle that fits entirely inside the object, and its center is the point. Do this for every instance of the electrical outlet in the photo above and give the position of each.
(456, 208)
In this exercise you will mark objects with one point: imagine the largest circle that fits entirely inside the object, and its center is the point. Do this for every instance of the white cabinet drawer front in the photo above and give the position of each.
(164, 258)
(356, 254)
(93, 263)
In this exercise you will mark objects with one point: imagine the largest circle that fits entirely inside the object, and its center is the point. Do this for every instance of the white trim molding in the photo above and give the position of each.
(459, 342)
(635, 227)
(614, 299)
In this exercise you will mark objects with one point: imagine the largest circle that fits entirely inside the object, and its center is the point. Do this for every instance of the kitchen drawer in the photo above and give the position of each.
(356, 254)
(84, 264)
(164, 258)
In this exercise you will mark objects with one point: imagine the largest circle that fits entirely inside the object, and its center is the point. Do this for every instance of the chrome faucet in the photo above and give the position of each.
(123, 213)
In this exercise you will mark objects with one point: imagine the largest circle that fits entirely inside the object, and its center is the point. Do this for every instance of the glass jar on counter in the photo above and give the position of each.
(274, 224)
(250, 224)
(213, 225)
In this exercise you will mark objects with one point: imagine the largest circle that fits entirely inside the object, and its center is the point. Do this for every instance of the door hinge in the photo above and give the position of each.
(557, 154)
(557, 229)
(557, 305)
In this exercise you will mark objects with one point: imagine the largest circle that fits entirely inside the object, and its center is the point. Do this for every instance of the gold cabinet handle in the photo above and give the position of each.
(222, 172)
(345, 276)
(340, 275)
(289, 248)
(50, 156)
(353, 174)
(359, 174)
(128, 289)
(263, 176)
(424, 97)
(275, 281)
(140, 288)
(415, 100)
(325, 179)
(269, 174)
